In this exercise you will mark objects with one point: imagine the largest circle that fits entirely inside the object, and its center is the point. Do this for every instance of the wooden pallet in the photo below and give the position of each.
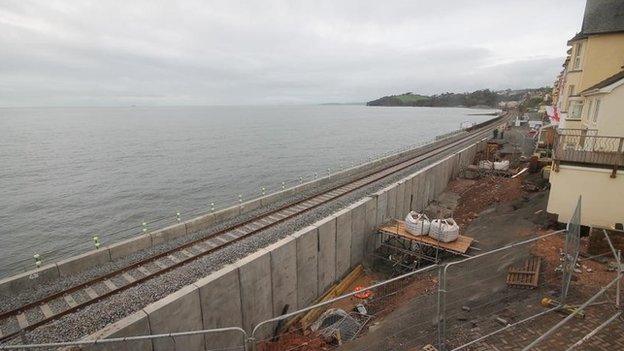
(526, 276)
(397, 227)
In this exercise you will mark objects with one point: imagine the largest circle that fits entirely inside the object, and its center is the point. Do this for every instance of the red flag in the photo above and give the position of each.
(555, 116)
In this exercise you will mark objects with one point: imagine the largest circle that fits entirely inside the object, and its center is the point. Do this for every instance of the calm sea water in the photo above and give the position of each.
(69, 173)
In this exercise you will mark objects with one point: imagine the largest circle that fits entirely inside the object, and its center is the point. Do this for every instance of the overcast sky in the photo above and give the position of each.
(270, 52)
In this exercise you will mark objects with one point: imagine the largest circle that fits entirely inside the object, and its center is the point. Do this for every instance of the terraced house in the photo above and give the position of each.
(588, 155)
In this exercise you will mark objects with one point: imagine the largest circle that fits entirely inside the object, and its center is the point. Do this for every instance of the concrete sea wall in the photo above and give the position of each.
(90, 259)
(294, 271)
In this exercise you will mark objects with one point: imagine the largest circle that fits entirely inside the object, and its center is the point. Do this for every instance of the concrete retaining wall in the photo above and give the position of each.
(343, 242)
(307, 265)
(326, 253)
(294, 271)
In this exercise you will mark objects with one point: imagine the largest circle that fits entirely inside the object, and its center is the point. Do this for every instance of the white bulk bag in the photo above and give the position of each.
(417, 223)
(502, 165)
(445, 230)
(485, 164)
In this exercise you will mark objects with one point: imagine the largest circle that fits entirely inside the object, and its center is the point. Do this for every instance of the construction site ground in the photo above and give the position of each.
(495, 211)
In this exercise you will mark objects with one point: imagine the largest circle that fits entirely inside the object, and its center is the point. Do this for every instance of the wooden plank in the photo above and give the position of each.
(143, 270)
(527, 276)
(46, 310)
(537, 271)
(22, 321)
(461, 245)
(523, 284)
(520, 271)
(110, 285)
(128, 277)
(70, 300)
(335, 291)
(92, 294)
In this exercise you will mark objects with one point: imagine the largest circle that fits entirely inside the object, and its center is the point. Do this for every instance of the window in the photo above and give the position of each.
(589, 109)
(570, 90)
(577, 110)
(577, 55)
(597, 108)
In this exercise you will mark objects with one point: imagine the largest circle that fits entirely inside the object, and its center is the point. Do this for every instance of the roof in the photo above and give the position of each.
(600, 17)
(578, 36)
(603, 16)
(614, 78)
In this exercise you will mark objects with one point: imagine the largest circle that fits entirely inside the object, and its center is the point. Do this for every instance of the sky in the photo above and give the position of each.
(120, 53)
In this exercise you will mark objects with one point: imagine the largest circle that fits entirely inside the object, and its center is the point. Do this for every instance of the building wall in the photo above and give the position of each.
(572, 78)
(602, 202)
(610, 119)
(603, 57)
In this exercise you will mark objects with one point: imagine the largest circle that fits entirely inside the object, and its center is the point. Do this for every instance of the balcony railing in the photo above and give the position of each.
(584, 146)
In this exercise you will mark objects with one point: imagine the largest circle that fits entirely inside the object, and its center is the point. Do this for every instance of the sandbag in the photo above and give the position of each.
(485, 164)
(417, 223)
(444, 230)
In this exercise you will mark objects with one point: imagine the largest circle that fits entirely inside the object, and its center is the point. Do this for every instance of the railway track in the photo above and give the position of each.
(52, 307)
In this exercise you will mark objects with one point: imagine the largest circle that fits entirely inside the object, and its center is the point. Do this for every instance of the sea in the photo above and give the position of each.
(69, 174)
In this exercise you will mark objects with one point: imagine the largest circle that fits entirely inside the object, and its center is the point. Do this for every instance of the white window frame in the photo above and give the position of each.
(596, 111)
(589, 109)
(576, 110)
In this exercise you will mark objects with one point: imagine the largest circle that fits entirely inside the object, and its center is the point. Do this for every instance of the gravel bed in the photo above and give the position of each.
(119, 280)
(165, 261)
(34, 315)
(96, 316)
(194, 250)
(9, 325)
(80, 296)
(180, 256)
(100, 288)
(136, 274)
(152, 267)
(58, 305)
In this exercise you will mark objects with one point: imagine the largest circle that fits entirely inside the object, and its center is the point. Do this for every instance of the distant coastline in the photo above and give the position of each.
(343, 104)
(484, 98)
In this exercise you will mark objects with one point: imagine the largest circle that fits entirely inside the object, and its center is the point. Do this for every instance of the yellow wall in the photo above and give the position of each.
(602, 196)
(603, 57)
(572, 78)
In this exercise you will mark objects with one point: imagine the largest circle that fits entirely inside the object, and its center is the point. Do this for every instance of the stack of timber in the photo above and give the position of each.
(335, 291)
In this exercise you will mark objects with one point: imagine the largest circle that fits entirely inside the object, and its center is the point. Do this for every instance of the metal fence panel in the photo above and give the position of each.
(571, 249)
(407, 305)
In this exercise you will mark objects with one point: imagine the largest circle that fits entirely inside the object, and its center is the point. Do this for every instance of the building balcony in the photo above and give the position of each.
(584, 147)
